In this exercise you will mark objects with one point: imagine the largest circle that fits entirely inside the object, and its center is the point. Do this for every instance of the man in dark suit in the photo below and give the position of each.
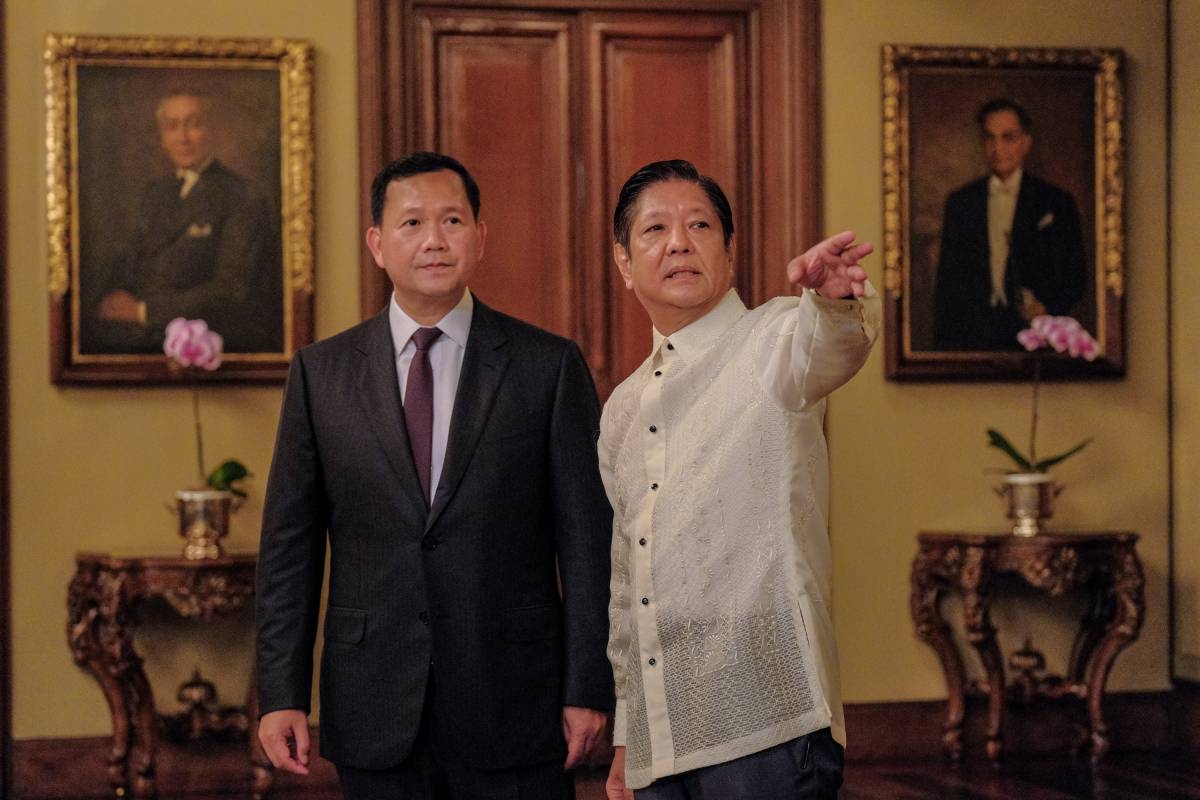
(207, 245)
(1011, 244)
(452, 667)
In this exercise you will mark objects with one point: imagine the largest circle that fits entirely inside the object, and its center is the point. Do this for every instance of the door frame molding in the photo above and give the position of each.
(789, 196)
(5, 496)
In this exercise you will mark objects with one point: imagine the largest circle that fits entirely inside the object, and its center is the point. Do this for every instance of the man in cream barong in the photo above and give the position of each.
(714, 460)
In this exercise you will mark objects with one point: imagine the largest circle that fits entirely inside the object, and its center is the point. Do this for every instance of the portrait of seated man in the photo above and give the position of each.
(1011, 244)
(206, 245)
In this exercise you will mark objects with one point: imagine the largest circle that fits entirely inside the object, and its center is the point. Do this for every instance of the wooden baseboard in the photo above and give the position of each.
(51, 769)
(1185, 720)
(903, 731)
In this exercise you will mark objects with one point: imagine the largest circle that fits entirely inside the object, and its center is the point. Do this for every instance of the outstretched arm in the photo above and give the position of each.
(827, 338)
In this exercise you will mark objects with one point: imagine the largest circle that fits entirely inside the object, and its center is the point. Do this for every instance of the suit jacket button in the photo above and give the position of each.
(424, 617)
(429, 543)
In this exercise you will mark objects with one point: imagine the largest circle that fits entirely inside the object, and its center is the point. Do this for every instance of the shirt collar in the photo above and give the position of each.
(1010, 185)
(456, 325)
(693, 339)
(182, 172)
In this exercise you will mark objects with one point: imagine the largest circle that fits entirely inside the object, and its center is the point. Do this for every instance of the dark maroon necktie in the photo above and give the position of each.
(418, 406)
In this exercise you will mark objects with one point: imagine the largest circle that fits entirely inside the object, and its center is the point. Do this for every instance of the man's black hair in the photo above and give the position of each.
(416, 164)
(1004, 104)
(660, 172)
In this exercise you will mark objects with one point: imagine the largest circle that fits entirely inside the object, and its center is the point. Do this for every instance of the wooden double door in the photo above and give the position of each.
(553, 104)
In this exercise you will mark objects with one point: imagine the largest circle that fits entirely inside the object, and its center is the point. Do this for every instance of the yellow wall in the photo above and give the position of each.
(92, 468)
(1185, 335)
(911, 457)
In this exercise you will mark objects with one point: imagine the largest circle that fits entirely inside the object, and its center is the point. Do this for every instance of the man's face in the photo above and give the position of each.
(183, 130)
(428, 242)
(677, 262)
(1005, 142)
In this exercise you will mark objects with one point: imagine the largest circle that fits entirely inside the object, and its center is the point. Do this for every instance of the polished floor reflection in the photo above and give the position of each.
(217, 773)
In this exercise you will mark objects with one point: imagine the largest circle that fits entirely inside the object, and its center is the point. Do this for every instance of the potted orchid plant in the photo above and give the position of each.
(1029, 488)
(203, 511)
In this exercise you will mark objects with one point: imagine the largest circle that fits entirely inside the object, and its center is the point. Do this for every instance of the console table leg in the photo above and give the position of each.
(933, 629)
(92, 620)
(975, 579)
(147, 733)
(118, 709)
(1127, 609)
(982, 637)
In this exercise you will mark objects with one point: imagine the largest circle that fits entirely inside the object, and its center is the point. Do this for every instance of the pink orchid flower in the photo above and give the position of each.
(1063, 334)
(190, 343)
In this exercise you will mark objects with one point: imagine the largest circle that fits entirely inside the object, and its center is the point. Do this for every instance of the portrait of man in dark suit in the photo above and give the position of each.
(206, 244)
(1011, 244)
(444, 456)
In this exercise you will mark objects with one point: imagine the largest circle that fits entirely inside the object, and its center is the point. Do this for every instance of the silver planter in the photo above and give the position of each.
(1030, 500)
(203, 520)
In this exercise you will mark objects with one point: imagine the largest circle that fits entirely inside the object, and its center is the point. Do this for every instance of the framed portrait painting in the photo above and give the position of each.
(1003, 182)
(179, 184)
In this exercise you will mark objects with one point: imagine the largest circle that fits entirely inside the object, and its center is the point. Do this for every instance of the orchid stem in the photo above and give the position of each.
(1037, 375)
(199, 436)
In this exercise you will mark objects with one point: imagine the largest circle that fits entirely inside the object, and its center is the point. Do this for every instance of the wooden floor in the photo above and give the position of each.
(1123, 776)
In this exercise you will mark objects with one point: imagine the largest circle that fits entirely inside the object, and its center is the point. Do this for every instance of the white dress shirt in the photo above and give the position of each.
(445, 359)
(190, 177)
(1001, 208)
(714, 460)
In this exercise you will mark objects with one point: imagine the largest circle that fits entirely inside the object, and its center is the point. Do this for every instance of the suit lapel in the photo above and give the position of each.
(484, 363)
(379, 389)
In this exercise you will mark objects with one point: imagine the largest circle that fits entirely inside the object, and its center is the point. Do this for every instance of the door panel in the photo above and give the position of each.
(661, 89)
(495, 93)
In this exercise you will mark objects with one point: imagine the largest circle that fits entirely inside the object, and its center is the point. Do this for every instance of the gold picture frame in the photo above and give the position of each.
(179, 182)
(934, 100)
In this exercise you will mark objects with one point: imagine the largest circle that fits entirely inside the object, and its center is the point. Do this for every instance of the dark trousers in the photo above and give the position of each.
(429, 775)
(424, 777)
(809, 767)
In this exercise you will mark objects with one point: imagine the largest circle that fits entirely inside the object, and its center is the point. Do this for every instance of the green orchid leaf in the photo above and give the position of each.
(225, 476)
(1047, 463)
(996, 439)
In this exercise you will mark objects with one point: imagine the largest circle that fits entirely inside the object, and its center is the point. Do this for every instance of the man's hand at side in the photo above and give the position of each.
(120, 305)
(284, 737)
(831, 267)
(614, 787)
(582, 729)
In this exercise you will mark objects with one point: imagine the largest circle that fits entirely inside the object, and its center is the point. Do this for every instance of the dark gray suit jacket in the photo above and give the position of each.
(466, 591)
(214, 254)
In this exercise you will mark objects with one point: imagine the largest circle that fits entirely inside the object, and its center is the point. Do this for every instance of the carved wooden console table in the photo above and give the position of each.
(103, 600)
(1105, 564)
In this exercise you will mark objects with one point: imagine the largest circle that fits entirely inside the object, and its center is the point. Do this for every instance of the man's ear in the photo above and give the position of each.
(480, 226)
(373, 237)
(621, 257)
